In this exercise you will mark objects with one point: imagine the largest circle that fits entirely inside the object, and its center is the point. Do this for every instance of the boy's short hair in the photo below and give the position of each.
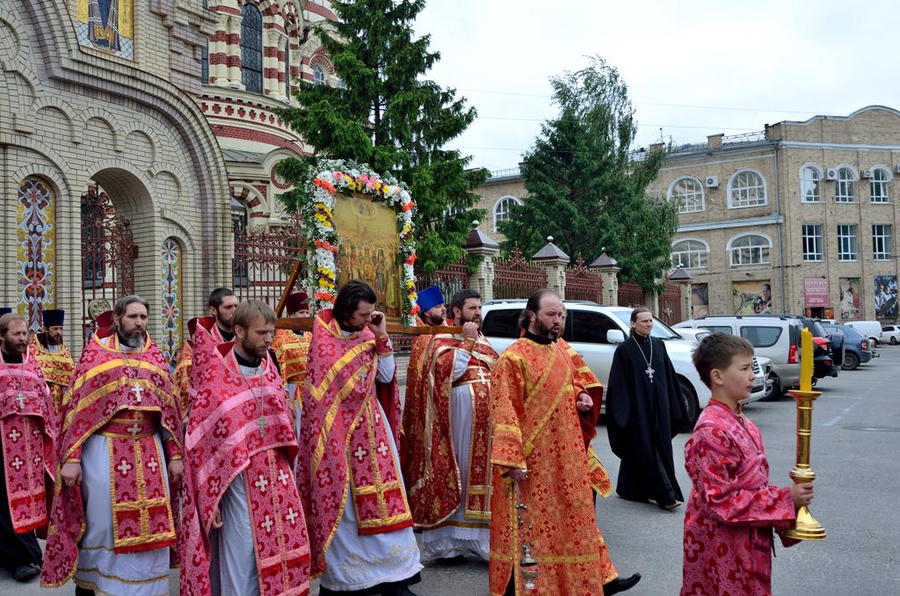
(717, 351)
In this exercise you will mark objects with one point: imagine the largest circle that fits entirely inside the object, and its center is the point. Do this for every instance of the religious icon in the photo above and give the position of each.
(107, 25)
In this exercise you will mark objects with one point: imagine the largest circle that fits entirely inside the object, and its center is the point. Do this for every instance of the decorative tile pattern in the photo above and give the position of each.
(36, 249)
(171, 298)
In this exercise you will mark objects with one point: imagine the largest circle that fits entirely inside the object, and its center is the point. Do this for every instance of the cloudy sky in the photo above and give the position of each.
(693, 67)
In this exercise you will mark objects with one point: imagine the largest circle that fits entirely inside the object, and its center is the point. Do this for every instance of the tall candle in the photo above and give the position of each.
(806, 360)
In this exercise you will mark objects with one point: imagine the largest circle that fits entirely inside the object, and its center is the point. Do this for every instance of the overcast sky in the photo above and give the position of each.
(693, 67)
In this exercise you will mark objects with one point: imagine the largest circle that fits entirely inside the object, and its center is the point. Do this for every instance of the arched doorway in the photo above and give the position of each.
(107, 257)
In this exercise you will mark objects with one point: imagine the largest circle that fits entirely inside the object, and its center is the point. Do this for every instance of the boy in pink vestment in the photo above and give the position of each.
(732, 510)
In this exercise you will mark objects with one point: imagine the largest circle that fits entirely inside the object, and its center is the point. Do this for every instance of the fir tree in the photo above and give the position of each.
(388, 115)
(584, 186)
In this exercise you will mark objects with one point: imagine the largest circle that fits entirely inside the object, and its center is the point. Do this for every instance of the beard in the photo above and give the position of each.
(542, 330)
(432, 319)
(473, 319)
(54, 340)
(133, 340)
(15, 348)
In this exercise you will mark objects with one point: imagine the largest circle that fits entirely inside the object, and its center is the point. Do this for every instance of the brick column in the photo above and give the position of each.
(555, 261)
(481, 245)
(653, 298)
(233, 51)
(681, 277)
(273, 63)
(608, 268)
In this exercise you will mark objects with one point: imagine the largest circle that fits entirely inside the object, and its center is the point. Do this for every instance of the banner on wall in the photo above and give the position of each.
(699, 300)
(752, 297)
(886, 296)
(816, 291)
(849, 298)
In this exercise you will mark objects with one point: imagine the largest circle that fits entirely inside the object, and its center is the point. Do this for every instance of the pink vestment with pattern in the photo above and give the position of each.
(345, 455)
(732, 509)
(225, 438)
(28, 427)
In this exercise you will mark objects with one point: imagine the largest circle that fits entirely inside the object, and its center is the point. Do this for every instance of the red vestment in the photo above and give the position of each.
(181, 378)
(345, 455)
(225, 438)
(57, 368)
(292, 352)
(728, 523)
(127, 397)
(536, 428)
(28, 429)
(430, 468)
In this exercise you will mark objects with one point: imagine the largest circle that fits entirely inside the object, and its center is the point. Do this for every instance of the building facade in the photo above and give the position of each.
(134, 136)
(798, 218)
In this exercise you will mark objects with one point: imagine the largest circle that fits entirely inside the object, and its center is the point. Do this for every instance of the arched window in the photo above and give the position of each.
(810, 185)
(502, 209)
(318, 75)
(688, 192)
(690, 254)
(287, 70)
(251, 49)
(879, 185)
(749, 249)
(844, 186)
(746, 189)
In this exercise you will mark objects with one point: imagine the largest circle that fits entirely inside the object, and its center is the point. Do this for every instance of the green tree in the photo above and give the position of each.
(388, 115)
(585, 187)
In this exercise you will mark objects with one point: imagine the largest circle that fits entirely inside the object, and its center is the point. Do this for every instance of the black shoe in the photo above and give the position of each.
(452, 561)
(23, 573)
(621, 584)
(79, 591)
(401, 591)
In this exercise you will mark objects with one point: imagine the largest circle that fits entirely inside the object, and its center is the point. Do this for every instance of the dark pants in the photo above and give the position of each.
(15, 549)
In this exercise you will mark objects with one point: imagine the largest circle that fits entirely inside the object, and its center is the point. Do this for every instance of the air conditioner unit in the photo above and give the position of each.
(867, 174)
(831, 174)
(712, 182)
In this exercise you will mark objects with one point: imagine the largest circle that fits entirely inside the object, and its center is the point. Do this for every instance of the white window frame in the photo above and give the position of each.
(814, 255)
(701, 255)
(317, 70)
(849, 234)
(882, 195)
(763, 250)
(682, 202)
(504, 214)
(845, 188)
(804, 181)
(882, 242)
(747, 202)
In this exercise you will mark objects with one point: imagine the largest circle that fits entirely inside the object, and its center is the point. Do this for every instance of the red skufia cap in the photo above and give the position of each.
(105, 320)
(297, 301)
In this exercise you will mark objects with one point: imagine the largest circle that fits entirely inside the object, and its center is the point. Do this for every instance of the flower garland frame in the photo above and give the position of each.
(330, 177)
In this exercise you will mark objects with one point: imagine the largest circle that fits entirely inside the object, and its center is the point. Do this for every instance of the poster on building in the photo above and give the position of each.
(815, 291)
(849, 298)
(752, 297)
(886, 296)
(699, 300)
(106, 25)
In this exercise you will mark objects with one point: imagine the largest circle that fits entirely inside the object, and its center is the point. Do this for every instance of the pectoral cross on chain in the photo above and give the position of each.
(649, 372)
(21, 399)
(261, 423)
(137, 392)
(481, 376)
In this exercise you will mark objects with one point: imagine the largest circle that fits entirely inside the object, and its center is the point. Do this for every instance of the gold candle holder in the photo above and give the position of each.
(806, 526)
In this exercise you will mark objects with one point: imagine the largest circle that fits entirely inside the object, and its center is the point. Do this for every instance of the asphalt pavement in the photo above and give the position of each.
(855, 448)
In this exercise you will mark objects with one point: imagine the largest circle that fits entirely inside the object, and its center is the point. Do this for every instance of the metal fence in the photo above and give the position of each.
(263, 261)
(517, 278)
(631, 294)
(583, 284)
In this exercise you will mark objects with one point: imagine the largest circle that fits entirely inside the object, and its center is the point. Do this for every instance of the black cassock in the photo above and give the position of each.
(15, 549)
(641, 417)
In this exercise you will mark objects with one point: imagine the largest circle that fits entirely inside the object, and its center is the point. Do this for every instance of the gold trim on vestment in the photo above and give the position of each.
(318, 392)
(332, 414)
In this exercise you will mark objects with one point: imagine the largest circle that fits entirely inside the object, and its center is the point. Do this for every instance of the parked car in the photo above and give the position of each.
(762, 366)
(891, 334)
(858, 348)
(871, 329)
(594, 331)
(827, 351)
(777, 338)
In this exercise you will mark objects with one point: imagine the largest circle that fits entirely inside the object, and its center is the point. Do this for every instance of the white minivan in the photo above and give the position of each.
(871, 329)
(594, 332)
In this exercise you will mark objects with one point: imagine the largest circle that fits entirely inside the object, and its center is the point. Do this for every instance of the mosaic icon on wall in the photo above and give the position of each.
(107, 25)
(170, 269)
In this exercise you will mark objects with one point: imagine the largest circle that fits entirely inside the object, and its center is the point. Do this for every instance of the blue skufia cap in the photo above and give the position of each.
(430, 297)
(5, 310)
(54, 317)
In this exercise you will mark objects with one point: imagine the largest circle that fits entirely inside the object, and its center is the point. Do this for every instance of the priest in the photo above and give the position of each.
(119, 449)
(181, 377)
(52, 354)
(644, 409)
(221, 306)
(291, 350)
(447, 469)
(27, 428)
(360, 526)
(244, 528)
(541, 484)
